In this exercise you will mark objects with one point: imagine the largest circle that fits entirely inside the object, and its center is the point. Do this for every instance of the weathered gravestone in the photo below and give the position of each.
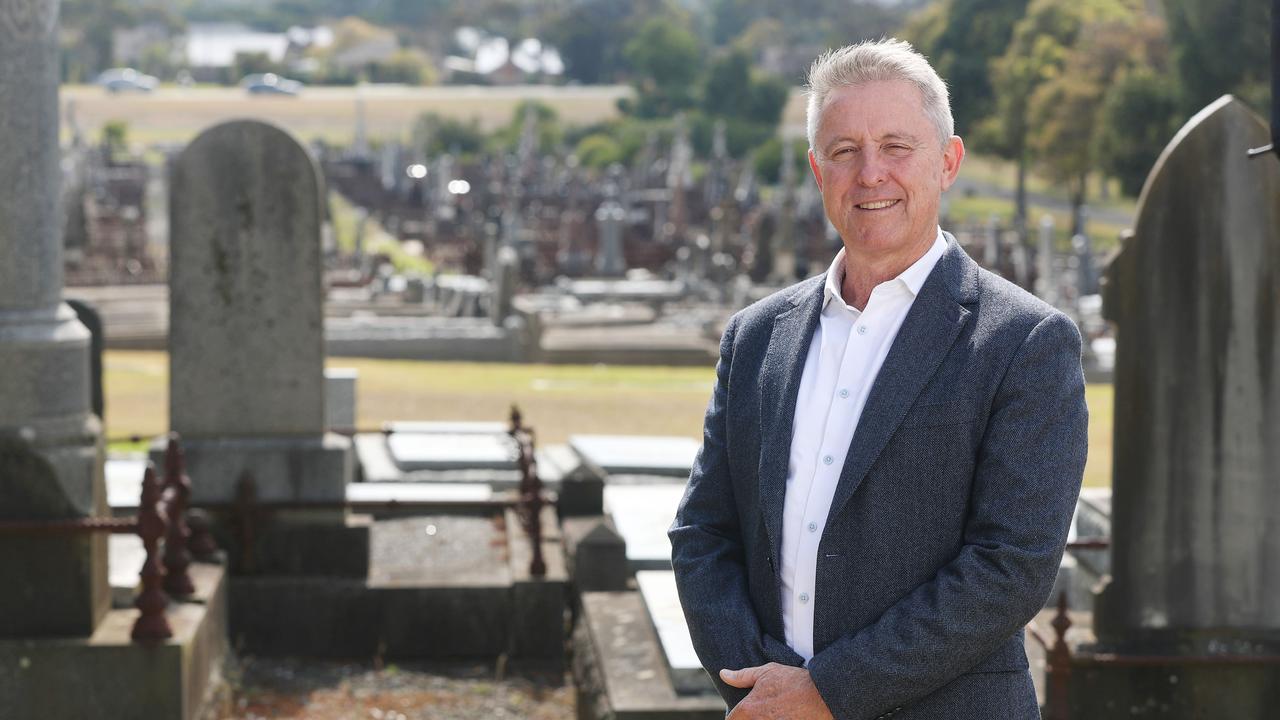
(55, 585)
(246, 335)
(1195, 295)
(44, 353)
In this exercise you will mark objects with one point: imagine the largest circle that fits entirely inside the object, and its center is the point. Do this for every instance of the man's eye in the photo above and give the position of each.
(898, 149)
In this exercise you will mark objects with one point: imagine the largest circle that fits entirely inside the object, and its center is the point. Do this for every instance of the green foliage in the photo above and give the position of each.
(590, 36)
(546, 121)
(599, 150)
(411, 67)
(732, 89)
(665, 58)
(115, 136)
(961, 38)
(1220, 46)
(768, 159)
(439, 135)
(1139, 117)
(250, 63)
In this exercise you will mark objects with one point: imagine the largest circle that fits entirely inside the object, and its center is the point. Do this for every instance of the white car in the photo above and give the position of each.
(126, 80)
(270, 84)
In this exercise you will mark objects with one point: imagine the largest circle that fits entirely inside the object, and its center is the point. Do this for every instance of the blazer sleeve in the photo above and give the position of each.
(708, 557)
(1026, 482)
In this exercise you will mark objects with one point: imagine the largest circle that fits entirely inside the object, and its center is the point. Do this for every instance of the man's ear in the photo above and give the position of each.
(952, 156)
(813, 165)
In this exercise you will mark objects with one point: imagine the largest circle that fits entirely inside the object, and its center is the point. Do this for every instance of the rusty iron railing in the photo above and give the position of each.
(531, 501)
(161, 513)
(247, 511)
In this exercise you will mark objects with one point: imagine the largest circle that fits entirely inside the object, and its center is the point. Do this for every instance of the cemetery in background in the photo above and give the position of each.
(424, 393)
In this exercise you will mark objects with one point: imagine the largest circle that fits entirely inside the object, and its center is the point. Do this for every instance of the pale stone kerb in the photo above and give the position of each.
(20, 19)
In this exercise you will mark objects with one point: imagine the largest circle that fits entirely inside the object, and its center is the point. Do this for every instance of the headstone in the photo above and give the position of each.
(54, 585)
(52, 462)
(246, 334)
(1197, 406)
(1195, 556)
(1046, 283)
(610, 216)
(504, 285)
(340, 399)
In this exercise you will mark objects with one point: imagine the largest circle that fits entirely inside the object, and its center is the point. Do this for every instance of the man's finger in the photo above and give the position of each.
(744, 678)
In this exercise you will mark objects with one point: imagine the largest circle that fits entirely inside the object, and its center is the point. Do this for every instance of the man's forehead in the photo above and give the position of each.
(880, 110)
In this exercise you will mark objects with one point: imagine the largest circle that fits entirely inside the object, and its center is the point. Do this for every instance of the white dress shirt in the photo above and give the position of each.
(844, 358)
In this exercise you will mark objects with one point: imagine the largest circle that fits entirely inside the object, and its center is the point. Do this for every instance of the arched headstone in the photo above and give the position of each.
(1190, 615)
(246, 332)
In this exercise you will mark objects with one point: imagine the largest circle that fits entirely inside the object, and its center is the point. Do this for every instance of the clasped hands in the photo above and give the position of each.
(777, 691)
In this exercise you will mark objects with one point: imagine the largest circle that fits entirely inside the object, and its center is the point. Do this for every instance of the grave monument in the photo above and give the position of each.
(1189, 624)
(52, 467)
(246, 336)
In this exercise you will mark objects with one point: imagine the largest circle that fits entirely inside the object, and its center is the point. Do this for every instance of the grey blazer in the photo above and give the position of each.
(949, 519)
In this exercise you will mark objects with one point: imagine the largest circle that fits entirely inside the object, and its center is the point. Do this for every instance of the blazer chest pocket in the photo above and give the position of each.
(939, 414)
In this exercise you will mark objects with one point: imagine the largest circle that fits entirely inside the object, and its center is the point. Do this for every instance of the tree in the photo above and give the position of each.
(1066, 111)
(1139, 117)
(664, 57)
(1220, 46)
(961, 38)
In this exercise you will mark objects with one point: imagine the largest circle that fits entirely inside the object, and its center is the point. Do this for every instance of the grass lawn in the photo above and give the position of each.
(557, 400)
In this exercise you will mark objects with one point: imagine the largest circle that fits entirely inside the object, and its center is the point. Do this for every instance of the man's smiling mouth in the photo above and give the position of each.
(877, 205)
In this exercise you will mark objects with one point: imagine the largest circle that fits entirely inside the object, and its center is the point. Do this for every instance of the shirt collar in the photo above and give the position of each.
(912, 278)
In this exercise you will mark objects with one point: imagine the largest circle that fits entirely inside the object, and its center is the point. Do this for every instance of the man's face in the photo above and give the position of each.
(880, 168)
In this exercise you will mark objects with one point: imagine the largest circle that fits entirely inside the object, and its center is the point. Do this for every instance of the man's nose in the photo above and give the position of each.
(872, 171)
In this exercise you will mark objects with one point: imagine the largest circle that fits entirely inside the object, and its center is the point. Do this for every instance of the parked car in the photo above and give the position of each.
(270, 84)
(126, 80)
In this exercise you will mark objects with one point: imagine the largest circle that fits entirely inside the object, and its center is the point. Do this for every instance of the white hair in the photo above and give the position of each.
(878, 61)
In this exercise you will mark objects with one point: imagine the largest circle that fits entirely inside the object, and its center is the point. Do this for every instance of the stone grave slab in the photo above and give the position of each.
(619, 669)
(445, 426)
(642, 514)
(658, 588)
(453, 451)
(418, 492)
(124, 482)
(438, 586)
(637, 454)
(125, 556)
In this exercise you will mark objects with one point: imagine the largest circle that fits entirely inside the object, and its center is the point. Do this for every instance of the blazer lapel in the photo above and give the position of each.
(779, 384)
(925, 338)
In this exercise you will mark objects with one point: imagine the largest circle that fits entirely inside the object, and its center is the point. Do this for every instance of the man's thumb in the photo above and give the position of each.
(744, 678)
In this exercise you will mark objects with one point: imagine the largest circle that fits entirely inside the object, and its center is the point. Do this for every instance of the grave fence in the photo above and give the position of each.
(162, 514)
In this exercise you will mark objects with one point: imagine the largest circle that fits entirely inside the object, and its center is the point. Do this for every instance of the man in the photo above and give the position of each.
(892, 451)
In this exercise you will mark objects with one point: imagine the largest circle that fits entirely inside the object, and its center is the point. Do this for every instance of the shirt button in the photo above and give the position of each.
(862, 329)
(844, 393)
(804, 597)
(827, 460)
(813, 527)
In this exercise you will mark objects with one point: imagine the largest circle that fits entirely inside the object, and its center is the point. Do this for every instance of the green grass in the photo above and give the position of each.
(557, 400)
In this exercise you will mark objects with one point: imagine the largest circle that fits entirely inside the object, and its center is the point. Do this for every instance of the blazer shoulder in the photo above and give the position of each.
(1003, 304)
(763, 311)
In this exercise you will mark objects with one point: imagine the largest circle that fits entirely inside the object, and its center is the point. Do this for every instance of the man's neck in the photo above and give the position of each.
(862, 273)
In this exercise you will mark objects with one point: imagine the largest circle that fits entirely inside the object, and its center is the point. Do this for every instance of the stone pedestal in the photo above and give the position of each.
(284, 469)
(107, 675)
